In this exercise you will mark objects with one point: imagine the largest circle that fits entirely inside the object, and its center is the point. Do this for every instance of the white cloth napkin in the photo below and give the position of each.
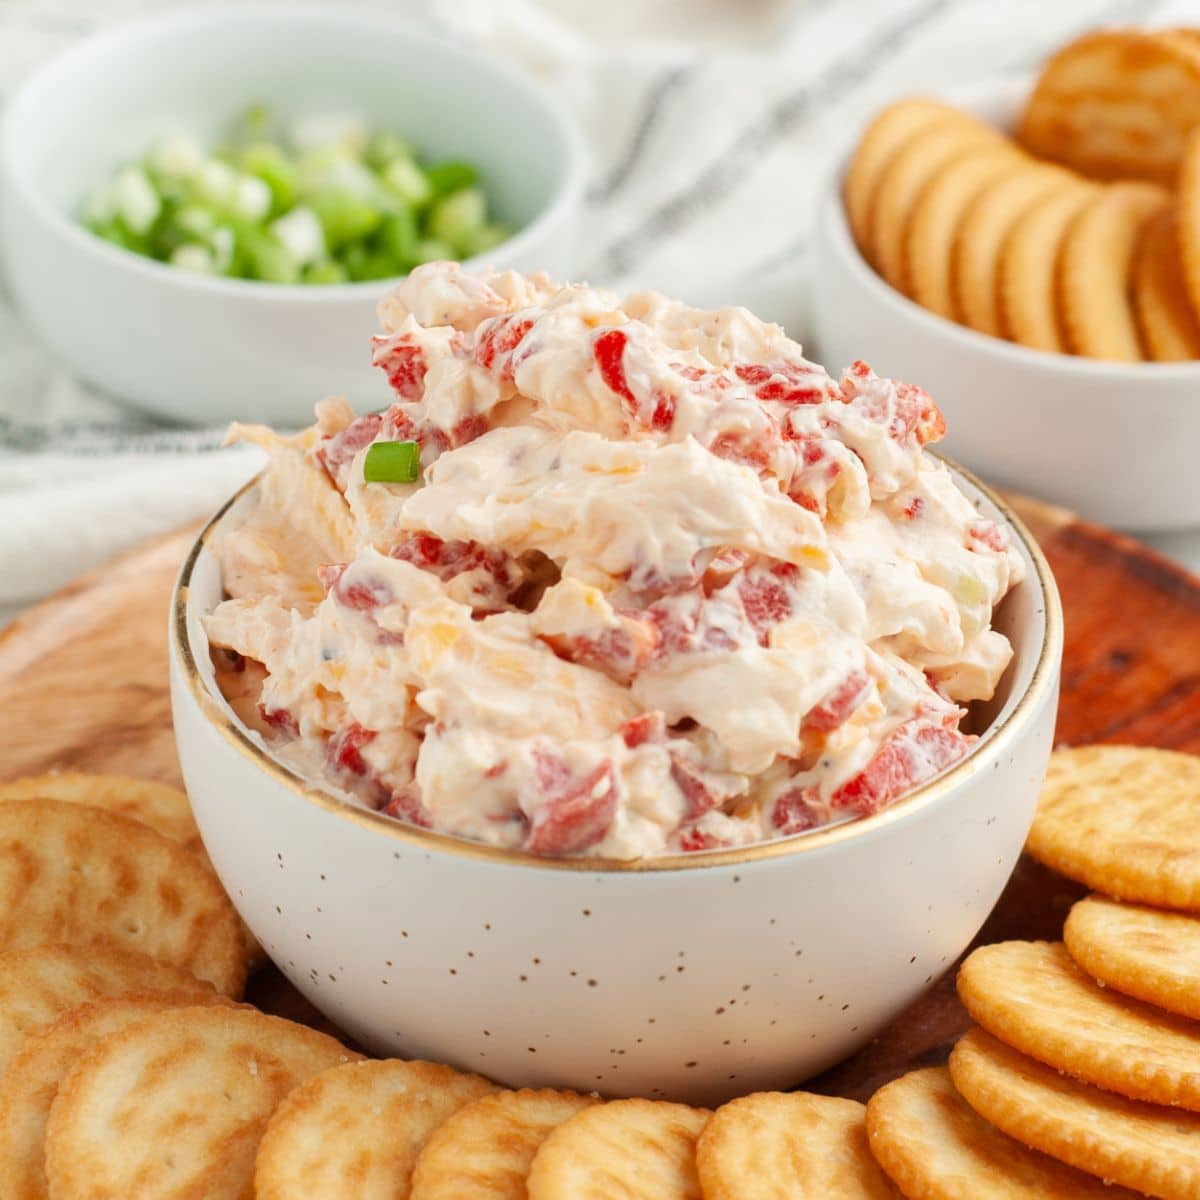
(705, 164)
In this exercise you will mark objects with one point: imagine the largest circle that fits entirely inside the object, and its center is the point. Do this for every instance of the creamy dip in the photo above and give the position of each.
(662, 584)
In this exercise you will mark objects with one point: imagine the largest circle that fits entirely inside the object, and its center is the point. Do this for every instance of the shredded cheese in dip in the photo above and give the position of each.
(663, 585)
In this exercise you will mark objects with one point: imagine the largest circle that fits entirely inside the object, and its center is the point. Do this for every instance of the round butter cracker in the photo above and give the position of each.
(1122, 820)
(1146, 953)
(1116, 104)
(883, 137)
(73, 874)
(643, 1148)
(357, 1129)
(39, 985)
(935, 1146)
(789, 1146)
(1140, 1146)
(915, 165)
(936, 222)
(484, 1151)
(978, 248)
(1096, 271)
(1033, 997)
(173, 1106)
(30, 1083)
(1168, 322)
(1029, 258)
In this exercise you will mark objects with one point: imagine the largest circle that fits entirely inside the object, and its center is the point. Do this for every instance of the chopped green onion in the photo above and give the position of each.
(269, 259)
(432, 250)
(300, 231)
(195, 221)
(216, 181)
(332, 201)
(251, 199)
(330, 130)
(191, 256)
(392, 462)
(178, 156)
(457, 218)
(384, 148)
(325, 271)
(345, 218)
(223, 243)
(447, 177)
(408, 182)
(376, 266)
(399, 236)
(486, 238)
(135, 200)
(269, 163)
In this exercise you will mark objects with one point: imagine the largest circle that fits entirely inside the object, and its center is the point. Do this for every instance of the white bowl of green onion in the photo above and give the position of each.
(200, 211)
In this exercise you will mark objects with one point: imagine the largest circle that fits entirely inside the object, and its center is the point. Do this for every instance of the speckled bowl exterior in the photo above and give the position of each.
(693, 977)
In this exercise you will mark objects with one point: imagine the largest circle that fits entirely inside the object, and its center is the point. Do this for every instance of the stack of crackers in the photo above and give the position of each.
(129, 1071)
(1084, 1068)
(128, 1068)
(1081, 235)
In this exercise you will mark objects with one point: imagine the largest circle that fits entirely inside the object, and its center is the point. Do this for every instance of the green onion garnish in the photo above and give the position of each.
(325, 200)
(392, 462)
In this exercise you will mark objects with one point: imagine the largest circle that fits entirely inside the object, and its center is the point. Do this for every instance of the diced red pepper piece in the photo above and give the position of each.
(449, 559)
(336, 451)
(766, 599)
(498, 341)
(918, 413)
(908, 411)
(698, 788)
(279, 718)
(912, 754)
(609, 352)
(464, 431)
(576, 814)
(619, 652)
(743, 449)
(785, 382)
(344, 749)
(794, 812)
(406, 805)
(832, 712)
(692, 840)
(645, 727)
(361, 594)
(403, 363)
(989, 534)
(682, 628)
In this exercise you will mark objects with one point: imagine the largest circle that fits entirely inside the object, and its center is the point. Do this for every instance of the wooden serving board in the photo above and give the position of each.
(83, 684)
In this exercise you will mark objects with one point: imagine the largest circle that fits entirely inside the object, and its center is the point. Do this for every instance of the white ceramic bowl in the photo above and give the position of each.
(693, 976)
(1116, 443)
(201, 349)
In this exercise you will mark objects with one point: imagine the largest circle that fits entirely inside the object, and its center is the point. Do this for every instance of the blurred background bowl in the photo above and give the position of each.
(1115, 442)
(202, 349)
